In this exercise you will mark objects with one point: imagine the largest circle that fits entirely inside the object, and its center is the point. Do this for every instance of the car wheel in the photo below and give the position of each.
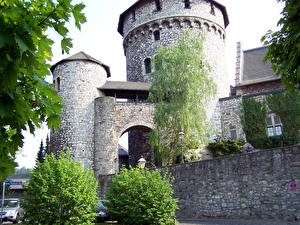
(17, 219)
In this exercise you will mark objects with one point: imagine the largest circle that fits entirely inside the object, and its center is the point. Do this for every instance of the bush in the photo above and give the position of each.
(139, 196)
(60, 191)
(223, 148)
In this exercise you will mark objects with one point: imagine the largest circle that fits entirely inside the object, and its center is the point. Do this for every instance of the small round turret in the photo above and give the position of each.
(77, 80)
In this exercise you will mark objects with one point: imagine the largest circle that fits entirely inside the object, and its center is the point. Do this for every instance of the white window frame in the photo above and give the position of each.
(274, 128)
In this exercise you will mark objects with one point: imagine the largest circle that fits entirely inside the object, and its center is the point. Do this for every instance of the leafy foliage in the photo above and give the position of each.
(60, 191)
(254, 114)
(253, 118)
(181, 88)
(225, 147)
(139, 196)
(284, 45)
(26, 99)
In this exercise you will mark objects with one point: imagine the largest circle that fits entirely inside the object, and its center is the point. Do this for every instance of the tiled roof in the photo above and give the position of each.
(255, 69)
(81, 56)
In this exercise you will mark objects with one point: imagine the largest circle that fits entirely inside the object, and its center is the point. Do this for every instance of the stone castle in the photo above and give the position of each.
(93, 118)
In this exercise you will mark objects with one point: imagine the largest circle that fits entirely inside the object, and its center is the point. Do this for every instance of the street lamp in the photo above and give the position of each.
(181, 134)
(141, 163)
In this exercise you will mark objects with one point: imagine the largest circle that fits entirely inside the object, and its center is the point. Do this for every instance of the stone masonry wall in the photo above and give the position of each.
(245, 186)
(112, 119)
(248, 186)
(79, 81)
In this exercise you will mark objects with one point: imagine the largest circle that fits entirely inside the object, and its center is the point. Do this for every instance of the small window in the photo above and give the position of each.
(187, 4)
(156, 35)
(58, 84)
(54, 83)
(274, 125)
(147, 63)
(233, 134)
(133, 15)
(212, 9)
(158, 5)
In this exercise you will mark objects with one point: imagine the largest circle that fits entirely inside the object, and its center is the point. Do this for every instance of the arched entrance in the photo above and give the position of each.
(135, 146)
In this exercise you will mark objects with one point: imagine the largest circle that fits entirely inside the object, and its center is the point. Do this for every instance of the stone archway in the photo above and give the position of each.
(112, 119)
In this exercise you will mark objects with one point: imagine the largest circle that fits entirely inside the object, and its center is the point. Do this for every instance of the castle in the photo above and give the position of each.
(93, 118)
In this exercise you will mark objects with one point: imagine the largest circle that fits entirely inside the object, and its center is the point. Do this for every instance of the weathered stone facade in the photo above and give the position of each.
(139, 23)
(248, 186)
(245, 186)
(112, 119)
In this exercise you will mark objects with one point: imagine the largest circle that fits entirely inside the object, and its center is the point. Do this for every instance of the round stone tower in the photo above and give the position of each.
(77, 80)
(148, 24)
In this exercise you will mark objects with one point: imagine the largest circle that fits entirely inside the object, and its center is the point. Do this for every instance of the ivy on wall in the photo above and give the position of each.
(254, 113)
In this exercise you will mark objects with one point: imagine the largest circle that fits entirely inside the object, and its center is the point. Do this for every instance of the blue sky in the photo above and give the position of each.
(249, 20)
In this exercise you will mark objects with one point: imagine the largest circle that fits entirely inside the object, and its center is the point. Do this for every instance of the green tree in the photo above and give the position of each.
(60, 191)
(284, 45)
(26, 99)
(41, 153)
(139, 196)
(181, 88)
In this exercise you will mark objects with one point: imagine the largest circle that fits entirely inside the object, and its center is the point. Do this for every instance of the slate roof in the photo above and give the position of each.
(81, 56)
(255, 70)
(126, 85)
(139, 2)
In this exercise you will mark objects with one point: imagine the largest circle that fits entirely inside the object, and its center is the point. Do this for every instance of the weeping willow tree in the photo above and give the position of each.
(181, 89)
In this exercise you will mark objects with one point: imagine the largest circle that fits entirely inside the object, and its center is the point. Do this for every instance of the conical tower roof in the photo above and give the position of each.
(81, 56)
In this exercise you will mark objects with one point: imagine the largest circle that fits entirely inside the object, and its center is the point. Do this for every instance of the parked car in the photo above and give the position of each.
(101, 210)
(11, 210)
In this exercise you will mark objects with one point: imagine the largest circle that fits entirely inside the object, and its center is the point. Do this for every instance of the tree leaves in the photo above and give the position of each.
(181, 88)
(60, 191)
(283, 45)
(26, 99)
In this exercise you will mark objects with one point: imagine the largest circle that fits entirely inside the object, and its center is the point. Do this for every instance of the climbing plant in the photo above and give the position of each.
(253, 118)
(254, 113)
(181, 89)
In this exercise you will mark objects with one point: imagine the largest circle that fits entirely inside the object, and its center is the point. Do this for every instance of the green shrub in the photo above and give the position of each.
(223, 148)
(59, 192)
(139, 196)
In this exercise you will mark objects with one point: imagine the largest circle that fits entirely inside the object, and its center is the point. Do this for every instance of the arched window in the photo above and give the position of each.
(187, 4)
(147, 63)
(212, 9)
(156, 35)
(274, 125)
(58, 83)
(158, 5)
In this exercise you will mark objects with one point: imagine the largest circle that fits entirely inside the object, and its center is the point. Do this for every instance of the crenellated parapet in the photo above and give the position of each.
(181, 22)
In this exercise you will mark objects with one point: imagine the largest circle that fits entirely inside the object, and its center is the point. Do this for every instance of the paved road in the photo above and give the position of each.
(235, 222)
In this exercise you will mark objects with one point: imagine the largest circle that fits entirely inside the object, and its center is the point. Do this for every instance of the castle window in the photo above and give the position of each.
(147, 63)
(133, 16)
(233, 134)
(156, 35)
(274, 125)
(212, 9)
(54, 83)
(187, 4)
(158, 5)
(58, 83)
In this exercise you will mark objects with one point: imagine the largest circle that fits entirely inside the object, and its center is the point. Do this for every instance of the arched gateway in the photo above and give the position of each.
(97, 112)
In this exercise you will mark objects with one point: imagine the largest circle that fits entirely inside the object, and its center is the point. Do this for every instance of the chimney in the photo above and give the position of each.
(238, 63)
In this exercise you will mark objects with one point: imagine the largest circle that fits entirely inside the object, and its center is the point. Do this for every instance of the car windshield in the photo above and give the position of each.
(10, 203)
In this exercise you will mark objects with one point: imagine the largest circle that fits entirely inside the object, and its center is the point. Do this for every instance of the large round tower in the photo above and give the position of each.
(77, 80)
(148, 24)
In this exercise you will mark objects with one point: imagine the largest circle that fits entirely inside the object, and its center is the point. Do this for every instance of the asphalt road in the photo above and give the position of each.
(235, 222)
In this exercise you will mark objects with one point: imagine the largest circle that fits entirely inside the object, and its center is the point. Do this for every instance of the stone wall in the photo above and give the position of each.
(79, 81)
(112, 119)
(248, 186)
(245, 186)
